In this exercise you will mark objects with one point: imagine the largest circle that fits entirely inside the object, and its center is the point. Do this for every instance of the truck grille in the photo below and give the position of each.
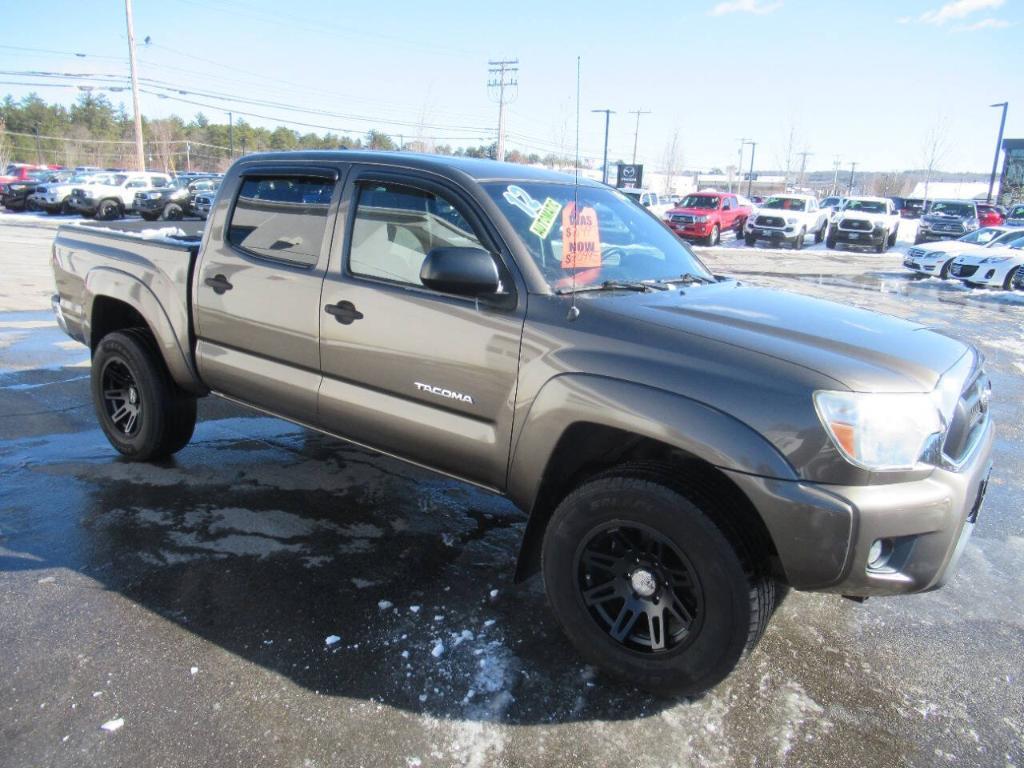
(855, 225)
(969, 418)
(769, 221)
(682, 218)
(963, 270)
(951, 228)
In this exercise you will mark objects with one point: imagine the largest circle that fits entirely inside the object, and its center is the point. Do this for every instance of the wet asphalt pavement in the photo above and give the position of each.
(272, 597)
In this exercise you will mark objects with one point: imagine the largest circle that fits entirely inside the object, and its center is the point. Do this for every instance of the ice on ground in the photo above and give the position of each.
(414, 608)
(332, 639)
(97, 694)
(437, 650)
(494, 593)
(193, 670)
(384, 604)
(112, 725)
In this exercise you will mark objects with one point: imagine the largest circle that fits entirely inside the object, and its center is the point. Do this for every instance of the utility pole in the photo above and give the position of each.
(739, 168)
(502, 74)
(835, 175)
(750, 176)
(636, 134)
(999, 144)
(188, 156)
(243, 146)
(140, 154)
(39, 152)
(231, 135)
(803, 166)
(853, 170)
(604, 165)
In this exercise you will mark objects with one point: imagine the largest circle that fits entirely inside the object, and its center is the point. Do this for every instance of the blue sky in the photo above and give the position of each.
(864, 80)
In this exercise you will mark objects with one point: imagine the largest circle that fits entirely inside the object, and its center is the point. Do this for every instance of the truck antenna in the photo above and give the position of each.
(574, 311)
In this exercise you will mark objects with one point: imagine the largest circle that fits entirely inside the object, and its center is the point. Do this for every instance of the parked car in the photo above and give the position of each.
(175, 202)
(996, 268)
(913, 207)
(787, 219)
(606, 381)
(833, 205)
(112, 197)
(203, 204)
(15, 195)
(1015, 216)
(54, 197)
(935, 260)
(866, 221)
(23, 172)
(704, 216)
(656, 204)
(990, 215)
(947, 219)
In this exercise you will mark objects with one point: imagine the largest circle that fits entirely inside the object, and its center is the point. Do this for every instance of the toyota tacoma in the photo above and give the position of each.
(682, 442)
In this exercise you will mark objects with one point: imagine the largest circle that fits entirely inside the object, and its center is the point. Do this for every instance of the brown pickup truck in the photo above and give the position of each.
(681, 441)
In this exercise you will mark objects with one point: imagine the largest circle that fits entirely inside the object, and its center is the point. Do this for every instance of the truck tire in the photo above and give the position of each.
(651, 584)
(750, 240)
(150, 216)
(831, 242)
(144, 415)
(821, 233)
(798, 241)
(173, 212)
(918, 239)
(883, 246)
(893, 235)
(714, 237)
(108, 210)
(739, 228)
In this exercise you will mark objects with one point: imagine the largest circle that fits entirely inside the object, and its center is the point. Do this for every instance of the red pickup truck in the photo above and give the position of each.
(704, 216)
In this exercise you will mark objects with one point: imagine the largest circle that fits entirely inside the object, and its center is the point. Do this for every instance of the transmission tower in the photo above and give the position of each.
(503, 84)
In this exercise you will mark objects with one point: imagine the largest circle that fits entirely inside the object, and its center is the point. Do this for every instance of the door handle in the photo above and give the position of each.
(219, 283)
(344, 312)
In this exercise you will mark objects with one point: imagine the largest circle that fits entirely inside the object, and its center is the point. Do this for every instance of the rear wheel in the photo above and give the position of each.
(650, 585)
(831, 242)
(142, 412)
(750, 240)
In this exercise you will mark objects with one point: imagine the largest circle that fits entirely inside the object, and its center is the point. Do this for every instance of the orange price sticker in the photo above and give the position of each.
(581, 241)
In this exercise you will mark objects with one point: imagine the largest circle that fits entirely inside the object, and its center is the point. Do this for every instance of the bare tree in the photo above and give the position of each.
(934, 149)
(789, 149)
(672, 159)
(5, 150)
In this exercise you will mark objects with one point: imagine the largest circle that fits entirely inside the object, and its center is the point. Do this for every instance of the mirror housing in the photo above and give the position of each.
(461, 271)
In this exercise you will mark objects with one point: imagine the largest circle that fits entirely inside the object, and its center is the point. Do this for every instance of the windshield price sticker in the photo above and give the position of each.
(581, 241)
(546, 218)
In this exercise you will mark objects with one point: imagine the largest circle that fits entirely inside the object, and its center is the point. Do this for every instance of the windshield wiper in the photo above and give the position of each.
(616, 285)
(690, 277)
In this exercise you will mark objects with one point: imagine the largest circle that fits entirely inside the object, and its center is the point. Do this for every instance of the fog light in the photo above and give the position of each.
(990, 274)
(879, 554)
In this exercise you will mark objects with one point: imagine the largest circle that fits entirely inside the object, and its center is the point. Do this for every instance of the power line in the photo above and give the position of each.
(498, 71)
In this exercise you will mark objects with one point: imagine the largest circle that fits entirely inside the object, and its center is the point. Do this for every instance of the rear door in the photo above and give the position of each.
(256, 290)
(423, 375)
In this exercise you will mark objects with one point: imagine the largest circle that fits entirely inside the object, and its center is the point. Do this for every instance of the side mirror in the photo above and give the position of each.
(462, 271)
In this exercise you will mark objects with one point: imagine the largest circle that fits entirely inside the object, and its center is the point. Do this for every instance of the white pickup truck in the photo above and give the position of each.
(787, 218)
(112, 198)
(866, 221)
(659, 205)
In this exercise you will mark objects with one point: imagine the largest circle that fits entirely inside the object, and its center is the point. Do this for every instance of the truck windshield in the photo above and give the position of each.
(865, 206)
(784, 203)
(611, 239)
(709, 202)
(953, 209)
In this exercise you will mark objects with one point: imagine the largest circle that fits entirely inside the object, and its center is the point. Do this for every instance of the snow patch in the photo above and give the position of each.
(113, 725)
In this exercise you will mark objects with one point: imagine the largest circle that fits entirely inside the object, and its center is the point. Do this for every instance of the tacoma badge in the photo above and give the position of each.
(442, 392)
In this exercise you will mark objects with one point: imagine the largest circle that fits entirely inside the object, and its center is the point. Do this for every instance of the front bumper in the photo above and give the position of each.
(770, 233)
(859, 237)
(149, 206)
(925, 235)
(692, 231)
(823, 533)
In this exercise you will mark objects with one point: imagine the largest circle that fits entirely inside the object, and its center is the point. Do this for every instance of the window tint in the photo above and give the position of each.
(281, 217)
(396, 227)
(159, 181)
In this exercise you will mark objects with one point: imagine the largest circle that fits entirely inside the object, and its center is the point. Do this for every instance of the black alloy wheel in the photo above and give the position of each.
(639, 588)
(121, 396)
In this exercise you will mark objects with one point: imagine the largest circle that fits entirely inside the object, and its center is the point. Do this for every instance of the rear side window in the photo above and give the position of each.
(281, 217)
(396, 227)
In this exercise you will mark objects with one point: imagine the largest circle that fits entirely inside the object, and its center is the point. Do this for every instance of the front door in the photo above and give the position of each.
(426, 376)
(257, 288)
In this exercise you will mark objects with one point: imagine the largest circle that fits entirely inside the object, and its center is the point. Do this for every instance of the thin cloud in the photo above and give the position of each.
(958, 9)
(758, 7)
(986, 24)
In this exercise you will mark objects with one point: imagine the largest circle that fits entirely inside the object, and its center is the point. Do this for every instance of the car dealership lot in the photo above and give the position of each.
(199, 601)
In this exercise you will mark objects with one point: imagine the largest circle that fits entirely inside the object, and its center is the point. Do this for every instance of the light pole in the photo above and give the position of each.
(750, 176)
(604, 165)
(999, 143)
(853, 170)
(739, 168)
(636, 135)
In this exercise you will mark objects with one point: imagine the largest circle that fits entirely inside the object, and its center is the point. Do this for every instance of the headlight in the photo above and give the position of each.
(995, 259)
(700, 219)
(933, 255)
(791, 221)
(879, 431)
(971, 224)
(153, 195)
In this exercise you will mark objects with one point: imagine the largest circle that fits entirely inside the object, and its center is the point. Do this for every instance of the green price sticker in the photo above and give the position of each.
(545, 218)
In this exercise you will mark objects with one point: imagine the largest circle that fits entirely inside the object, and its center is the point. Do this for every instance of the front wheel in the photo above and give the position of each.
(750, 240)
(141, 411)
(893, 235)
(108, 210)
(798, 242)
(1008, 282)
(822, 231)
(648, 587)
(714, 237)
(944, 272)
(173, 212)
(883, 246)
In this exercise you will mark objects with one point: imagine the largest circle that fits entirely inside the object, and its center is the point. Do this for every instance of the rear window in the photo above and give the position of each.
(281, 217)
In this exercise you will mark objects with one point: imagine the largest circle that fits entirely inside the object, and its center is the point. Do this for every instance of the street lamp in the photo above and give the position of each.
(604, 167)
(999, 143)
(750, 176)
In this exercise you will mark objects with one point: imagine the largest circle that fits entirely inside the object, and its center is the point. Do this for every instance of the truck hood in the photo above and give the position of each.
(874, 218)
(864, 351)
(693, 211)
(944, 218)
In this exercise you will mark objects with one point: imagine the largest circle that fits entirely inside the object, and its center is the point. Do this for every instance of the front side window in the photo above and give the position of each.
(396, 227)
(610, 239)
(281, 217)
